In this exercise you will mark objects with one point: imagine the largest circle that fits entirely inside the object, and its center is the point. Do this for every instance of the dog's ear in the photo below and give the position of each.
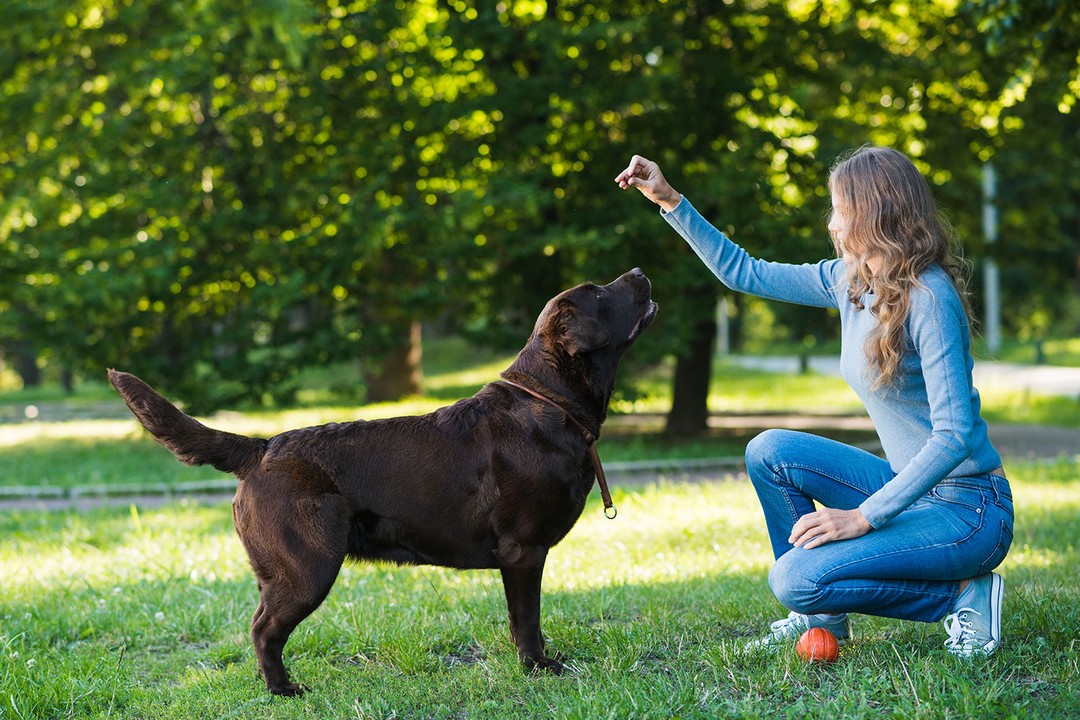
(581, 334)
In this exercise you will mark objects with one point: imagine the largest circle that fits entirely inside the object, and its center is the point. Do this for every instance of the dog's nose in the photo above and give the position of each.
(636, 272)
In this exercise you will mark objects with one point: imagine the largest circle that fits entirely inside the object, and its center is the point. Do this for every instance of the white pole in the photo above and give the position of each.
(991, 293)
(723, 327)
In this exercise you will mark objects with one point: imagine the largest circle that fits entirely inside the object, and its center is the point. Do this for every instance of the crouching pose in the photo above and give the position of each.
(916, 535)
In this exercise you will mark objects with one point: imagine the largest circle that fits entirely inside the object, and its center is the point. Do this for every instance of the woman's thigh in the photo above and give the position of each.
(793, 472)
(922, 542)
(950, 534)
(832, 473)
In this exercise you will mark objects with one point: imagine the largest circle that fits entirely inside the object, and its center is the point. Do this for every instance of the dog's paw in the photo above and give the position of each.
(289, 690)
(545, 664)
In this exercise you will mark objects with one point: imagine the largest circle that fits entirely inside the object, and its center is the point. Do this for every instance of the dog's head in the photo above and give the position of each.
(591, 318)
(583, 332)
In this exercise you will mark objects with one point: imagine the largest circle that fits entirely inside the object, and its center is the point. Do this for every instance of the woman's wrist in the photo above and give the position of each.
(670, 201)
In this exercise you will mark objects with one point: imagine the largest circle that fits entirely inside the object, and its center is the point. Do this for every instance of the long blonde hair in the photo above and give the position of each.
(891, 217)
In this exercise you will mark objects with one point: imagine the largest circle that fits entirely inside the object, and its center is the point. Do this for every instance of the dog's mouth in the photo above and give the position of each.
(644, 321)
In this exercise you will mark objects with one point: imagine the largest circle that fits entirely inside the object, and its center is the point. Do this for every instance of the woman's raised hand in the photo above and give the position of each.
(645, 175)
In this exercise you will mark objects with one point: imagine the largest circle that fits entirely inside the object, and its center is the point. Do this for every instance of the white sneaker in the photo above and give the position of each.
(784, 632)
(974, 627)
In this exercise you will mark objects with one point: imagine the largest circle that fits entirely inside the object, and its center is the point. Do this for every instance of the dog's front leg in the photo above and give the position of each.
(521, 582)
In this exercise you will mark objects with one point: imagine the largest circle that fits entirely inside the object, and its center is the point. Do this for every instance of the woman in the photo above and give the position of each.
(916, 535)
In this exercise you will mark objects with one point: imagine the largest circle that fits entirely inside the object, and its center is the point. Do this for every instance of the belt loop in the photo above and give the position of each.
(995, 483)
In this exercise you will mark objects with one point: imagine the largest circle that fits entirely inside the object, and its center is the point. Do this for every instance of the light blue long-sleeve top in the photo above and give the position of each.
(928, 419)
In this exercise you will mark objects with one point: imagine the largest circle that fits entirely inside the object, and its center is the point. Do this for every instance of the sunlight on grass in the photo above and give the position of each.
(1046, 515)
(1010, 406)
(17, 433)
(665, 533)
(736, 389)
(114, 548)
(1055, 351)
(474, 376)
(749, 391)
(132, 614)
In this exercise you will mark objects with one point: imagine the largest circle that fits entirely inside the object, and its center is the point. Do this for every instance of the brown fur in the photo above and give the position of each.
(492, 481)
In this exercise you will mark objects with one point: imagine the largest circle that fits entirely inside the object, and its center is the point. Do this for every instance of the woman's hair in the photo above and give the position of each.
(891, 215)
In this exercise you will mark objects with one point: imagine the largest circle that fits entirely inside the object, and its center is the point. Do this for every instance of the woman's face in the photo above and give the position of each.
(850, 249)
(838, 228)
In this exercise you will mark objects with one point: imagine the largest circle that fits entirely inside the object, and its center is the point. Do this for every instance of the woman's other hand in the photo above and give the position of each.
(827, 525)
(645, 175)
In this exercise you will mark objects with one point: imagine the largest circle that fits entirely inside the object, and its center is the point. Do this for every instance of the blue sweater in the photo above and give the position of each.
(928, 419)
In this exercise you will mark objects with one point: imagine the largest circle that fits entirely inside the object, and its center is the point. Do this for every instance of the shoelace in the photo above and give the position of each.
(791, 626)
(959, 628)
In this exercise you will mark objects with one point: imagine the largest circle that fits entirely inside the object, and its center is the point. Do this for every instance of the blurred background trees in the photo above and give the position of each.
(218, 195)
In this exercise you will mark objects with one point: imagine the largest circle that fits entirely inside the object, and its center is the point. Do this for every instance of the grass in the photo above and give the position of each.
(1053, 351)
(128, 614)
(132, 614)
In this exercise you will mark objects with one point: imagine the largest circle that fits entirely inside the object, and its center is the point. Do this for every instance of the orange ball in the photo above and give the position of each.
(818, 645)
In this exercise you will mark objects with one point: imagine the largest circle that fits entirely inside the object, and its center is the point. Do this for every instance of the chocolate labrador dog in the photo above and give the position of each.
(492, 481)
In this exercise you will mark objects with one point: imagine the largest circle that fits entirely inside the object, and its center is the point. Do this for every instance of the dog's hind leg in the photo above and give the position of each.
(282, 607)
(296, 565)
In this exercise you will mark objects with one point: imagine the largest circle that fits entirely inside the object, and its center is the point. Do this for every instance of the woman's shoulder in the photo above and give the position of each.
(934, 280)
(935, 293)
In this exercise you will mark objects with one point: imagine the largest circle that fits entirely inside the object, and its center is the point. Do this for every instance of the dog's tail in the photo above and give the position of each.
(189, 440)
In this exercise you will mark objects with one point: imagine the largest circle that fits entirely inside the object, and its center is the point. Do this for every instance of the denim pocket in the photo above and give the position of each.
(962, 497)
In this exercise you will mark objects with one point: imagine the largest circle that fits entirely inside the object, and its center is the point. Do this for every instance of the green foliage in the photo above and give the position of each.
(126, 613)
(220, 195)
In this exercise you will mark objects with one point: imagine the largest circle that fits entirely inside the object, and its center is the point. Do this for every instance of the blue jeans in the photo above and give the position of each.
(910, 568)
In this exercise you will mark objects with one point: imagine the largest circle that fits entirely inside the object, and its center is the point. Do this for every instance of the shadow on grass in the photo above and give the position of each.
(164, 621)
(417, 638)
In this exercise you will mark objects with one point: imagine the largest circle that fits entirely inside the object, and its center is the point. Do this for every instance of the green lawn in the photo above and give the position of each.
(139, 614)
(126, 614)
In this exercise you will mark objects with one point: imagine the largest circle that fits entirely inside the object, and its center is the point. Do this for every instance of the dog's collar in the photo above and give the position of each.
(590, 440)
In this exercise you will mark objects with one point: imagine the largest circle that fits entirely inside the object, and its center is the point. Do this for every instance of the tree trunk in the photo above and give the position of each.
(25, 363)
(398, 375)
(693, 371)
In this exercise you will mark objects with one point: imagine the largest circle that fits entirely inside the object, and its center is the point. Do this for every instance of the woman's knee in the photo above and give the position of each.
(773, 445)
(766, 451)
(792, 586)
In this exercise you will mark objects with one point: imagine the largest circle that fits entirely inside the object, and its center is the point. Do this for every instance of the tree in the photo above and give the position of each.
(177, 187)
(220, 195)
(141, 180)
(396, 95)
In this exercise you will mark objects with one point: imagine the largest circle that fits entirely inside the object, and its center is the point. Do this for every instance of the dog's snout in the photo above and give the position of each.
(641, 283)
(635, 283)
(636, 276)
